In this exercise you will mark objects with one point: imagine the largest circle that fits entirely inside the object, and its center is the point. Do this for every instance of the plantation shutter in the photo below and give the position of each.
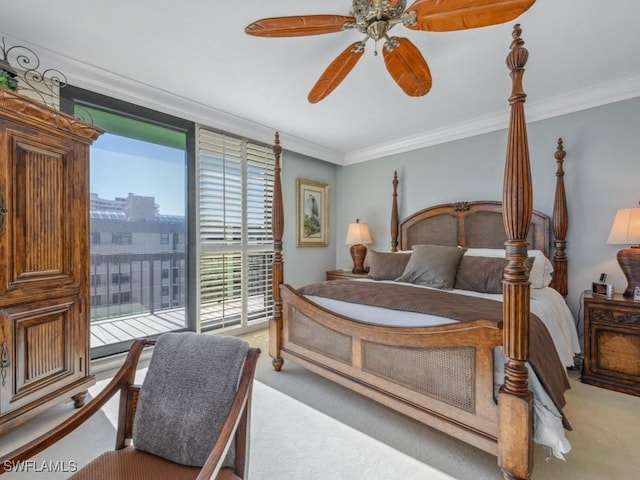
(235, 240)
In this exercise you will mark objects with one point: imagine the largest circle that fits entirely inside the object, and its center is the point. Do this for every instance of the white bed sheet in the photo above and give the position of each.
(546, 303)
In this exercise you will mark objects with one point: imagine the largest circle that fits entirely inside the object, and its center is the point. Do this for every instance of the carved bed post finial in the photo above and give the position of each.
(277, 267)
(560, 226)
(394, 214)
(515, 444)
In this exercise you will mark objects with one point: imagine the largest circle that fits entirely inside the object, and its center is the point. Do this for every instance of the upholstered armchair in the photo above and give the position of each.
(188, 420)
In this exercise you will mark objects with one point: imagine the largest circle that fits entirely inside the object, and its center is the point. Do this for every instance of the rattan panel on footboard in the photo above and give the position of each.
(441, 376)
(446, 374)
(309, 334)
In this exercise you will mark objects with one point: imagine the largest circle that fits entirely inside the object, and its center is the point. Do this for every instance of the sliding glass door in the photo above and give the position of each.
(180, 225)
(138, 222)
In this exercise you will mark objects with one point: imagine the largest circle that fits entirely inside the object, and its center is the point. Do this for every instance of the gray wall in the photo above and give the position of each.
(602, 175)
(306, 264)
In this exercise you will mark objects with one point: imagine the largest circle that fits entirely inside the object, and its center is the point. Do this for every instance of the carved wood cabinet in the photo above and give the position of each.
(612, 343)
(44, 258)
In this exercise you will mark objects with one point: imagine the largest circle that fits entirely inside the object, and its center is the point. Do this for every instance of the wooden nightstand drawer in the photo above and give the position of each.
(620, 316)
(612, 343)
(343, 275)
(617, 352)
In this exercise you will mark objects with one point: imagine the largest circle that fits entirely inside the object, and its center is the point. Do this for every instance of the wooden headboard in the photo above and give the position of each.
(469, 224)
(481, 225)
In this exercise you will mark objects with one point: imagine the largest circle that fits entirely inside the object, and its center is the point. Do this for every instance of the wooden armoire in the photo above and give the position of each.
(44, 258)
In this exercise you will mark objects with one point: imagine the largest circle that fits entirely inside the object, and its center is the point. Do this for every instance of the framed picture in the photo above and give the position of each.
(312, 208)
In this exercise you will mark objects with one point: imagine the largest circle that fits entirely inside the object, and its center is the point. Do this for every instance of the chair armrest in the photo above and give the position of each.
(123, 377)
(126, 414)
(238, 416)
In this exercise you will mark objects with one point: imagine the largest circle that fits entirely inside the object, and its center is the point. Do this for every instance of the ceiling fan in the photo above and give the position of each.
(374, 18)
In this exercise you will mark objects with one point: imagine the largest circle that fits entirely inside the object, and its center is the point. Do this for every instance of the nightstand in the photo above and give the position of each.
(612, 343)
(343, 275)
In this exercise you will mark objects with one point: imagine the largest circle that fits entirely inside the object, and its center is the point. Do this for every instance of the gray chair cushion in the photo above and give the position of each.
(186, 395)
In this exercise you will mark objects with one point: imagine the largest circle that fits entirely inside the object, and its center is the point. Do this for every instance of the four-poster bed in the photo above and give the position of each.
(443, 375)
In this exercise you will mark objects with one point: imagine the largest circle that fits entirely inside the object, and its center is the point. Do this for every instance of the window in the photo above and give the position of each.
(153, 176)
(138, 198)
(120, 278)
(236, 245)
(118, 238)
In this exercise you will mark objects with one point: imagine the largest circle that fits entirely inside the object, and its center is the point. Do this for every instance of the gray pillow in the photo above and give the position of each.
(387, 266)
(433, 266)
(482, 274)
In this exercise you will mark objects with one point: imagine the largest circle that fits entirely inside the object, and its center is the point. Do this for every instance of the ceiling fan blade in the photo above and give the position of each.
(298, 26)
(407, 66)
(450, 15)
(336, 72)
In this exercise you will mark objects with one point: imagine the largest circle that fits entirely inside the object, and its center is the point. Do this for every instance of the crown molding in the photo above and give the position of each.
(108, 83)
(590, 97)
(100, 80)
(103, 81)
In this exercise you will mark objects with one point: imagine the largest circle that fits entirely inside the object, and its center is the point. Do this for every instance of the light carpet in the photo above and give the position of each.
(289, 440)
(298, 442)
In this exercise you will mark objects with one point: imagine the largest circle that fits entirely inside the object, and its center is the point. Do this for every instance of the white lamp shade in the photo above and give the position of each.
(358, 233)
(626, 227)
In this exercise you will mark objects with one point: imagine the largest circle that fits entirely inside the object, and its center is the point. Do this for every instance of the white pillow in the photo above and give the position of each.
(541, 270)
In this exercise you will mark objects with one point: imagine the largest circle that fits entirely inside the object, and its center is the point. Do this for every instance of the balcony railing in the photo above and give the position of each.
(139, 295)
(136, 283)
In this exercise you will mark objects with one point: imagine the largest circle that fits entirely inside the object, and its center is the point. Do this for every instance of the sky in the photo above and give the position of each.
(148, 169)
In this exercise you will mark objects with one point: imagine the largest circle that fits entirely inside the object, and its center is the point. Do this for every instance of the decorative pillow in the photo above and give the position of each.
(387, 266)
(539, 273)
(482, 274)
(433, 266)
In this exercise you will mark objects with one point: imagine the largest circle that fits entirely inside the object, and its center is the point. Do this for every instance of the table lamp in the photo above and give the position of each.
(357, 237)
(626, 231)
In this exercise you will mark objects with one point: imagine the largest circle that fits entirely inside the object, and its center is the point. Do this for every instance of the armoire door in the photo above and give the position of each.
(44, 330)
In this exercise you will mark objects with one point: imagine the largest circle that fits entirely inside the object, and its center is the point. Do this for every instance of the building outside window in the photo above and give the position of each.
(119, 238)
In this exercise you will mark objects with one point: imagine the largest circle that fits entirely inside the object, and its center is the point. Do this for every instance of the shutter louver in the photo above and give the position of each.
(236, 245)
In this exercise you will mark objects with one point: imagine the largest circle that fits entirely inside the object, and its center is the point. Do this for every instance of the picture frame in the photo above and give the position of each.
(312, 213)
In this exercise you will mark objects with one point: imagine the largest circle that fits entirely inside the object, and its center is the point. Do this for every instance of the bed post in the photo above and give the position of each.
(277, 267)
(394, 214)
(515, 429)
(560, 226)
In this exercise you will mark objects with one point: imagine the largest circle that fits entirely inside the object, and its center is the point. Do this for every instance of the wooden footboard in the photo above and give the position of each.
(441, 376)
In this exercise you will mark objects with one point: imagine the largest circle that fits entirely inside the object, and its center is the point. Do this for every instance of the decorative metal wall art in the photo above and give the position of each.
(19, 71)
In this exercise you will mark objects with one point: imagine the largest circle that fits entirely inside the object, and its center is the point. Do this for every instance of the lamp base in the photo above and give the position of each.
(358, 252)
(629, 261)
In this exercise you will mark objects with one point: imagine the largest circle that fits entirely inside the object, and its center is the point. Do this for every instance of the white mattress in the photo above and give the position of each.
(546, 303)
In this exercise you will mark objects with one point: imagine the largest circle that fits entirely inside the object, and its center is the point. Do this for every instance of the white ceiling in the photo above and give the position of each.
(193, 58)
